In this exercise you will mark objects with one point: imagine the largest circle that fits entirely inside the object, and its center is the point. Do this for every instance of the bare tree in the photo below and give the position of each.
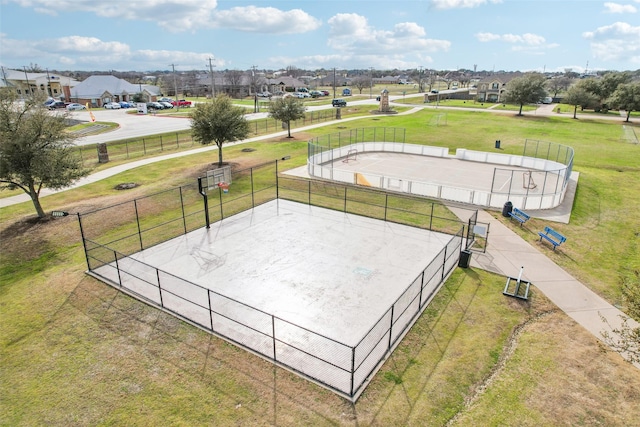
(293, 71)
(558, 84)
(361, 82)
(234, 79)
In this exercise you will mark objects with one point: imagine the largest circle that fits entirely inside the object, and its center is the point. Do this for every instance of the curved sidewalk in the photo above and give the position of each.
(507, 253)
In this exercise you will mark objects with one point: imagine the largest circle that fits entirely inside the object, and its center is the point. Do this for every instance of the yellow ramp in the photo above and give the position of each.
(361, 180)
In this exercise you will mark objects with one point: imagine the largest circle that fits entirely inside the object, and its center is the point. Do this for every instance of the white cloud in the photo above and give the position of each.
(461, 4)
(351, 33)
(266, 20)
(620, 8)
(90, 53)
(616, 42)
(186, 15)
(526, 39)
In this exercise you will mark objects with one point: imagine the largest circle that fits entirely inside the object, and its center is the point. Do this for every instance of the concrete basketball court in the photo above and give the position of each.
(445, 171)
(333, 273)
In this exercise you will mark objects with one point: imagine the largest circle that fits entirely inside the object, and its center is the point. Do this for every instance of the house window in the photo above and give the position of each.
(55, 91)
(494, 86)
(19, 92)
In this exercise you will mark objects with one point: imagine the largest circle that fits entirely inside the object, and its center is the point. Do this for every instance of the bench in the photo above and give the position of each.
(520, 216)
(555, 238)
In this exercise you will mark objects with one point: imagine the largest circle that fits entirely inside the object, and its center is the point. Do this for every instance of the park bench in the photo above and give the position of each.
(555, 238)
(520, 216)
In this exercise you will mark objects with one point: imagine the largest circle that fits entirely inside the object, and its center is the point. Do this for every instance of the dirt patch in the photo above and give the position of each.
(126, 186)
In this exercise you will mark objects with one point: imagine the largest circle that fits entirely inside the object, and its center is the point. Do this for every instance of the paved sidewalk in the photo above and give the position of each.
(507, 253)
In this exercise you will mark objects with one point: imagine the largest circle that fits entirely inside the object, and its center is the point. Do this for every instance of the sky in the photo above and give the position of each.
(149, 35)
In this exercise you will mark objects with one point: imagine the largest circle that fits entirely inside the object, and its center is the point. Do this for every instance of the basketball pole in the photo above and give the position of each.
(202, 191)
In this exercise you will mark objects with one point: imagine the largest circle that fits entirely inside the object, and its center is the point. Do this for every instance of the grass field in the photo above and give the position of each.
(76, 352)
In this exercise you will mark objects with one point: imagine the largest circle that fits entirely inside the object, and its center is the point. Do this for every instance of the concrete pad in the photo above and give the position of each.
(333, 273)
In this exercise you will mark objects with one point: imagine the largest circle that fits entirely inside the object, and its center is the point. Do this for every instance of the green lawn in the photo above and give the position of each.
(76, 352)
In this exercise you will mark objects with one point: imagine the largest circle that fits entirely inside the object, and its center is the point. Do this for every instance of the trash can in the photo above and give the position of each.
(498, 143)
(506, 209)
(465, 259)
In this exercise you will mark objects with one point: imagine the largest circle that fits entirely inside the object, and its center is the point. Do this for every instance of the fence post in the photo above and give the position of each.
(391, 327)
(431, 218)
(421, 288)
(159, 287)
(386, 205)
(161, 147)
(126, 145)
(444, 263)
(273, 335)
(177, 141)
(84, 241)
(345, 199)
(353, 368)
(115, 256)
(253, 202)
(184, 219)
(144, 147)
(309, 193)
(210, 309)
(135, 205)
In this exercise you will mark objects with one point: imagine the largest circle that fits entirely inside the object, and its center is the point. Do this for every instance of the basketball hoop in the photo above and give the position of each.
(224, 186)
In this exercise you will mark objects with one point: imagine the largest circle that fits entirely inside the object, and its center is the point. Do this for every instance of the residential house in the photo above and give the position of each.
(27, 84)
(100, 90)
(492, 88)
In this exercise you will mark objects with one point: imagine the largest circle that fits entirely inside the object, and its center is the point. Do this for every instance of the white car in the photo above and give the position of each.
(166, 105)
(75, 106)
(112, 106)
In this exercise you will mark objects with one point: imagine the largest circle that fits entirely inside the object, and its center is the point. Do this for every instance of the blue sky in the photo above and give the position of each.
(142, 35)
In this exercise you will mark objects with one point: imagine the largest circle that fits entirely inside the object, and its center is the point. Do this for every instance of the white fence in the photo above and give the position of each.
(550, 177)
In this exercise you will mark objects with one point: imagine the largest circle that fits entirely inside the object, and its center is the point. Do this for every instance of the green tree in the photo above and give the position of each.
(626, 97)
(286, 110)
(218, 121)
(577, 95)
(527, 89)
(36, 151)
(605, 87)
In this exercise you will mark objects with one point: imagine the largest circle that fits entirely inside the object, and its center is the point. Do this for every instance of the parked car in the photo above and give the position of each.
(265, 94)
(127, 104)
(75, 106)
(434, 91)
(112, 106)
(166, 105)
(56, 104)
(181, 103)
(154, 106)
(325, 92)
(165, 99)
(339, 103)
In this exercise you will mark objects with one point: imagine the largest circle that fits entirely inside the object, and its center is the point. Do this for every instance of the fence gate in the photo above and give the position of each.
(477, 235)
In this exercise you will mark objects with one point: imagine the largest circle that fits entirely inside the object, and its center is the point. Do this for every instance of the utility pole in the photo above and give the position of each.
(370, 81)
(175, 86)
(213, 83)
(255, 91)
(334, 82)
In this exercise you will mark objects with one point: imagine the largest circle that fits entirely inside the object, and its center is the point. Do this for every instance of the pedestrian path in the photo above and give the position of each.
(507, 253)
